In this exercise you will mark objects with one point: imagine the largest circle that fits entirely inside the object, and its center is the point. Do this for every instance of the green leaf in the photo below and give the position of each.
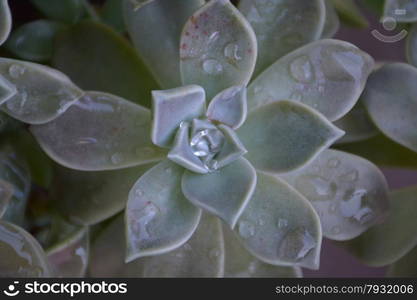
(224, 193)
(401, 10)
(328, 75)
(5, 21)
(282, 26)
(6, 193)
(33, 41)
(201, 256)
(332, 22)
(382, 151)
(229, 107)
(376, 5)
(349, 193)
(155, 29)
(13, 170)
(357, 125)
(213, 57)
(99, 59)
(390, 99)
(284, 135)
(406, 266)
(112, 15)
(386, 243)
(158, 217)
(350, 13)
(171, 107)
(42, 93)
(68, 11)
(103, 195)
(68, 252)
(279, 226)
(240, 263)
(411, 45)
(99, 132)
(21, 254)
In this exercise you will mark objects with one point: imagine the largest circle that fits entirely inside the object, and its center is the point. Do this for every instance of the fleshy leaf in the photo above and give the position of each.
(357, 125)
(68, 249)
(405, 267)
(213, 57)
(155, 29)
(5, 21)
(285, 135)
(328, 75)
(390, 95)
(34, 41)
(13, 170)
(21, 254)
(350, 13)
(225, 192)
(182, 154)
(6, 193)
(112, 15)
(158, 217)
(69, 11)
(349, 193)
(401, 10)
(99, 132)
(240, 263)
(103, 195)
(279, 226)
(282, 26)
(42, 93)
(201, 256)
(80, 52)
(332, 22)
(229, 107)
(386, 243)
(382, 151)
(171, 107)
(411, 46)
(231, 150)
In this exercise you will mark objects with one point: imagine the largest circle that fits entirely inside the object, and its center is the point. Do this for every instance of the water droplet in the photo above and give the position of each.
(212, 67)
(333, 163)
(141, 218)
(139, 192)
(282, 223)
(86, 141)
(187, 247)
(168, 170)
(16, 71)
(316, 188)
(231, 51)
(336, 230)
(364, 215)
(246, 229)
(351, 176)
(333, 208)
(183, 124)
(252, 267)
(257, 89)
(261, 222)
(296, 96)
(117, 158)
(213, 37)
(214, 254)
(301, 69)
(296, 244)
(352, 203)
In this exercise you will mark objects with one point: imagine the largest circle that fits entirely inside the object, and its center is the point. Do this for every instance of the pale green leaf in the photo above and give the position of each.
(158, 217)
(42, 93)
(103, 194)
(349, 193)
(99, 132)
(224, 193)
(99, 59)
(69, 11)
(328, 75)
(21, 254)
(386, 243)
(212, 56)
(390, 98)
(411, 45)
(112, 15)
(332, 22)
(155, 29)
(282, 26)
(279, 226)
(5, 21)
(284, 135)
(239, 263)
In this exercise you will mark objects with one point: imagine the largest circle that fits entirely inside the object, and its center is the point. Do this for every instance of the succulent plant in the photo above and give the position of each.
(204, 152)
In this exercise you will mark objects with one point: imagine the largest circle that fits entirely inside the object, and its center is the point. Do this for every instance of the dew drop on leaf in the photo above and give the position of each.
(296, 244)
(212, 67)
(301, 69)
(231, 51)
(141, 219)
(246, 229)
(16, 71)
